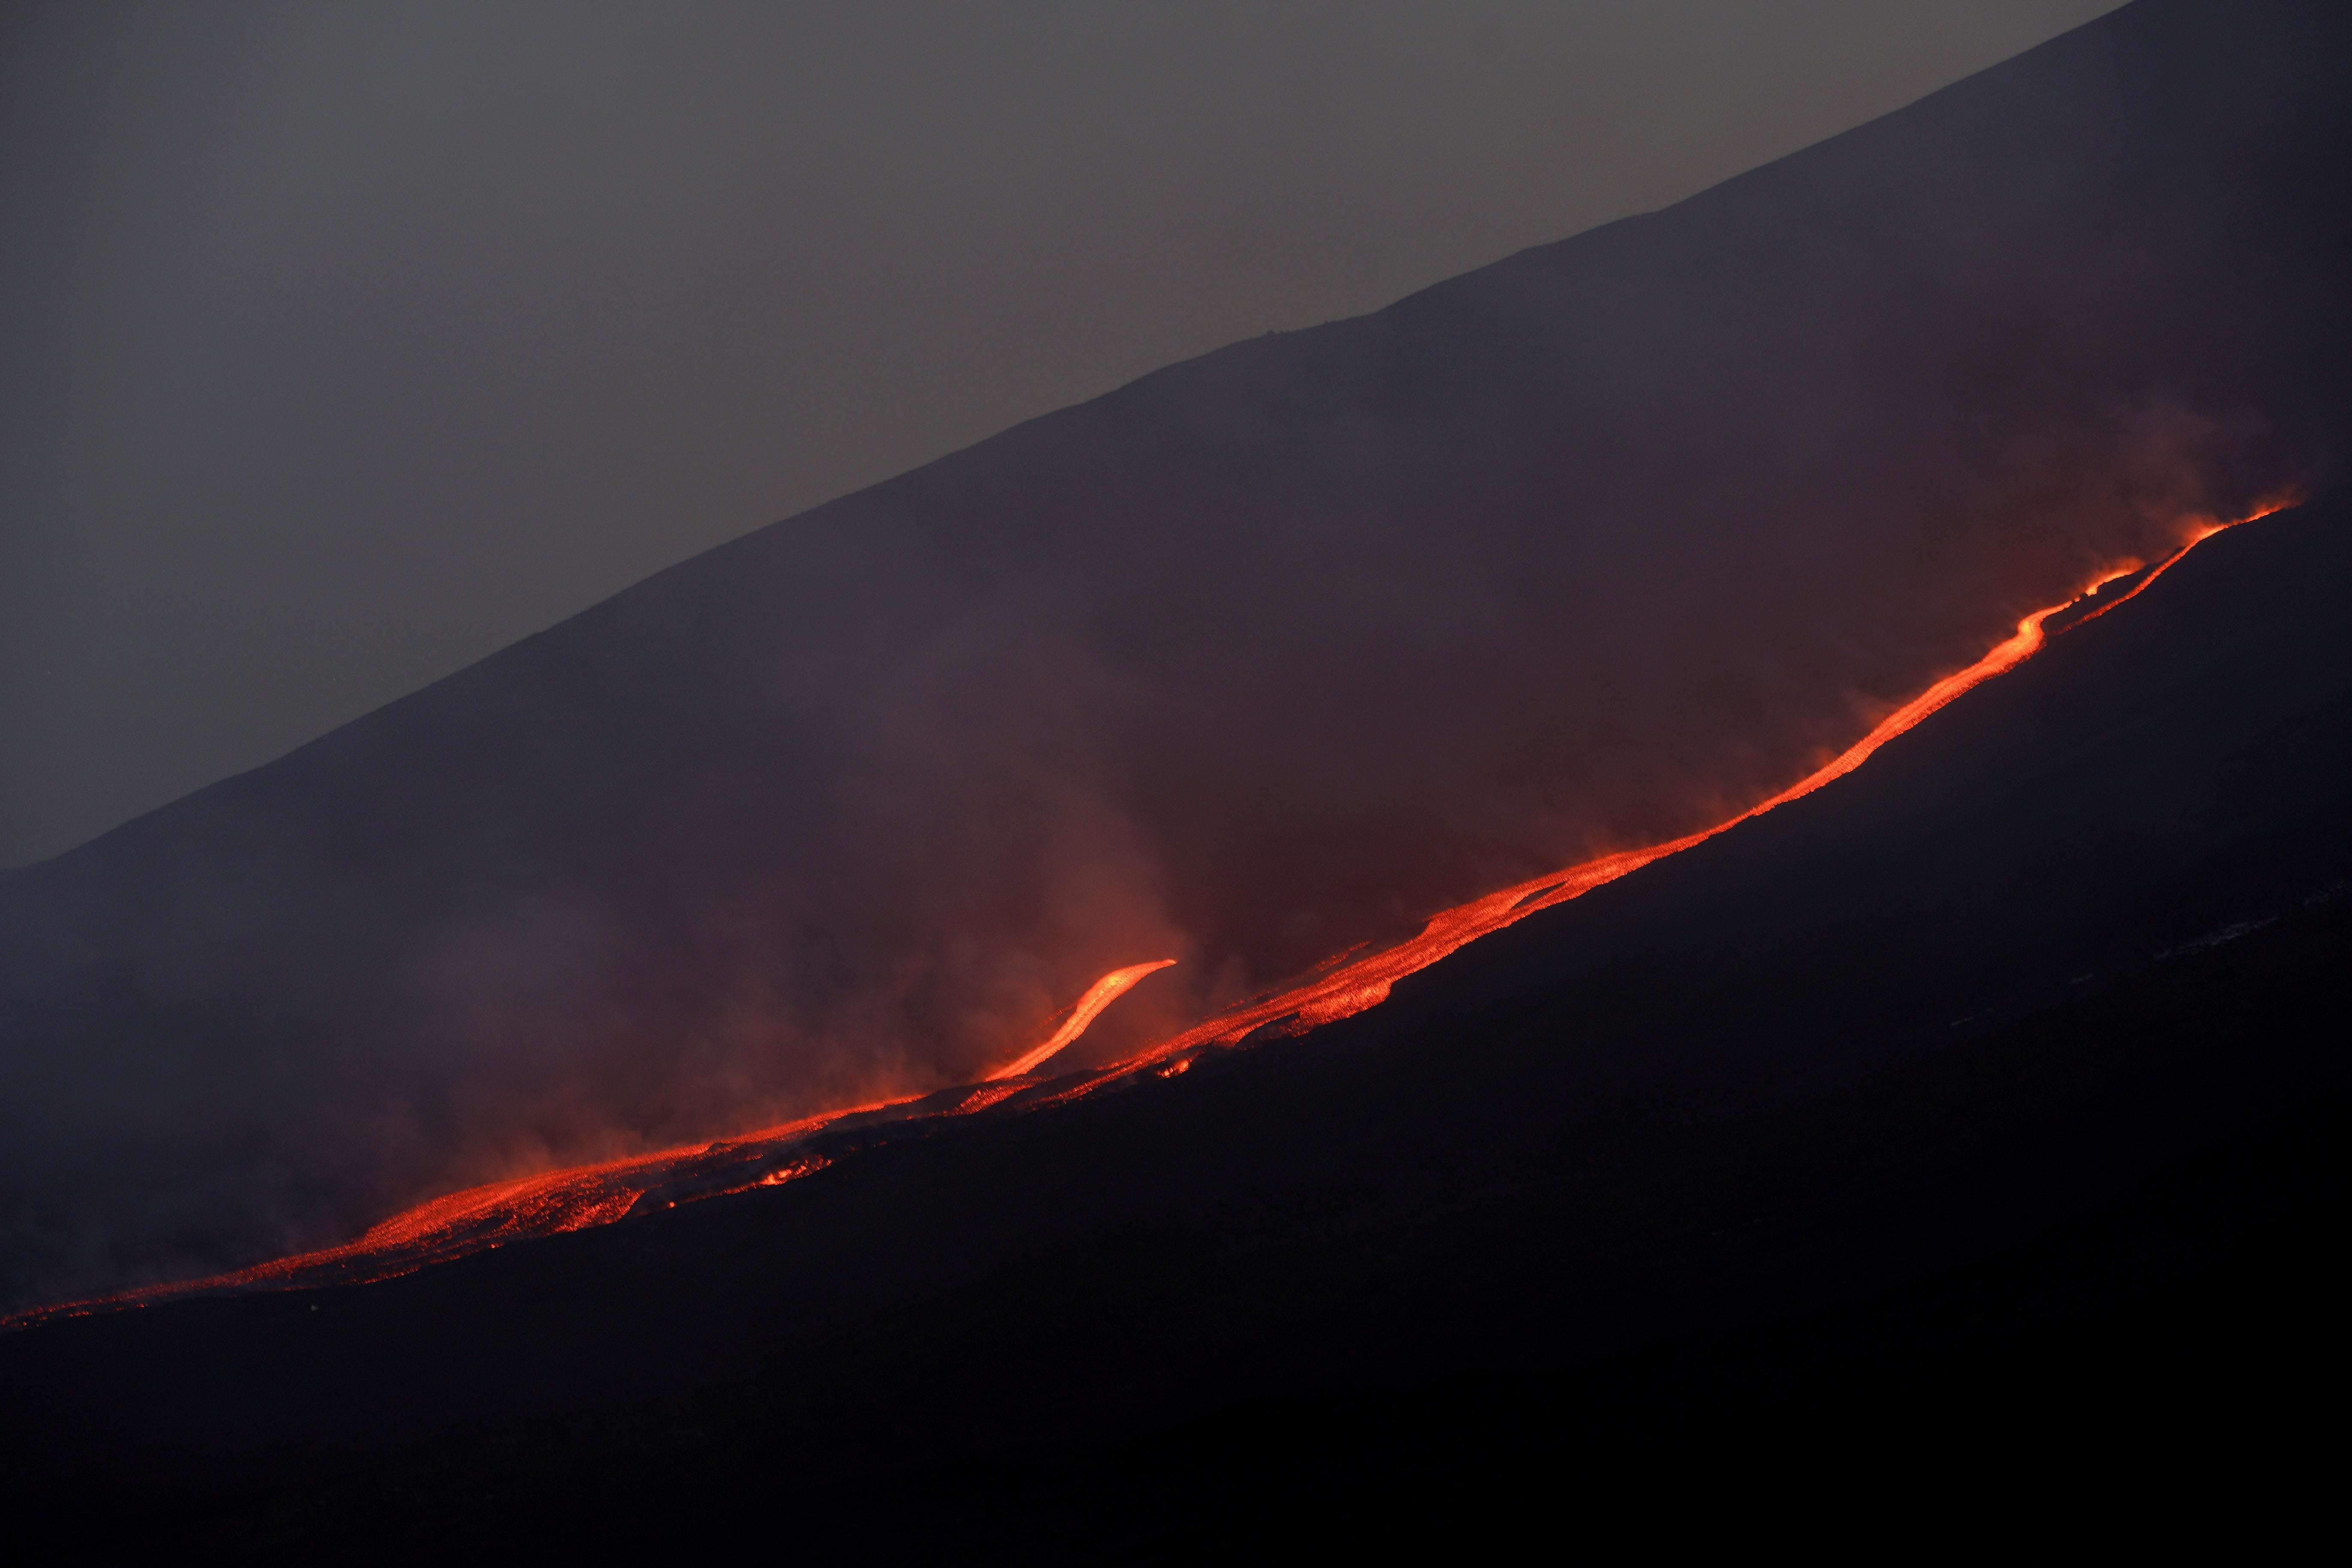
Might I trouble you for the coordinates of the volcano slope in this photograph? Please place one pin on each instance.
(1261, 657)
(1982, 1104)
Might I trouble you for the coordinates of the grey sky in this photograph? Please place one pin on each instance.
(342, 344)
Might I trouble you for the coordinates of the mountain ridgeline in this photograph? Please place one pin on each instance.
(1266, 655)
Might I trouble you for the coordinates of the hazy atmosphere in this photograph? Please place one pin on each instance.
(340, 346)
(1265, 656)
(1048, 782)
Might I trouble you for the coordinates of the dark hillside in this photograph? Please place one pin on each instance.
(1261, 656)
(1986, 1097)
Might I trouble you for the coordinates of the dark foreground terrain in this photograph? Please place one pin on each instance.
(1962, 1138)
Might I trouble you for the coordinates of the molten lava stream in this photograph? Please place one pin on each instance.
(1099, 996)
(1352, 988)
(556, 1201)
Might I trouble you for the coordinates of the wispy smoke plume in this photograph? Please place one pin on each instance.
(1263, 656)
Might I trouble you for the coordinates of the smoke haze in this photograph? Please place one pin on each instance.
(1266, 654)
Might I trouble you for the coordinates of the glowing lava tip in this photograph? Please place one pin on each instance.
(1099, 996)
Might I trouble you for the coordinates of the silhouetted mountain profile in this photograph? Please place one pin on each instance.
(1263, 655)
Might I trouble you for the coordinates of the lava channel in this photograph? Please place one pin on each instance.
(482, 1218)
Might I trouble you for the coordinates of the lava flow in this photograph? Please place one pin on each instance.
(557, 1200)
(1099, 996)
(1352, 988)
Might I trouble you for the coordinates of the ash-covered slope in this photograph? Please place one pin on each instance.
(2000, 1081)
(1254, 659)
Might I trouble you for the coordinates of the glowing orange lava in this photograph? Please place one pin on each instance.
(1099, 996)
(479, 1218)
(1350, 989)
(557, 1200)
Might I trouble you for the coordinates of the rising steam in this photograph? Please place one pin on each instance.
(549, 1203)
(1263, 658)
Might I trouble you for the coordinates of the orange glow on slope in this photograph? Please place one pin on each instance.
(1099, 996)
(1352, 988)
(481, 1217)
(2198, 536)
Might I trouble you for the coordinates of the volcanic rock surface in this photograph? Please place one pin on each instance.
(1263, 656)
(1930, 1112)
(1985, 1100)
